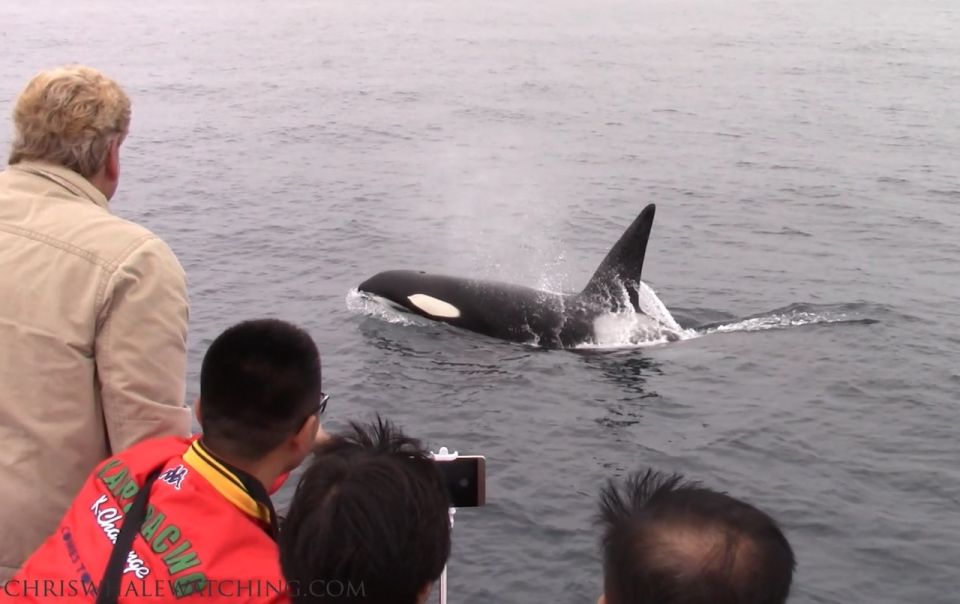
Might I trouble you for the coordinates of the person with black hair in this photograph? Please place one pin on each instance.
(369, 522)
(671, 541)
(207, 527)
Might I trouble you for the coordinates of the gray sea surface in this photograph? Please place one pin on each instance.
(805, 161)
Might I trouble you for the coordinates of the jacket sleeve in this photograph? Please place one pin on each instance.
(141, 347)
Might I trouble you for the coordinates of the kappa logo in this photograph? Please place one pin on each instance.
(174, 476)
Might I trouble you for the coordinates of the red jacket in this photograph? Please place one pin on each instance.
(205, 537)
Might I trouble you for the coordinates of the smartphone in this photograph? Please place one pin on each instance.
(466, 480)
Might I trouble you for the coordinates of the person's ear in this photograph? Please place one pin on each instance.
(196, 411)
(602, 599)
(307, 437)
(112, 164)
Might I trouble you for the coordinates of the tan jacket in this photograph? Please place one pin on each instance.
(93, 326)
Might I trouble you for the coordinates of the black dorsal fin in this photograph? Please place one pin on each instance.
(624, 263)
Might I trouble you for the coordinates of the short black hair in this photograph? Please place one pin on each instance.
(369, 515)
(670, 541)
(259, 382)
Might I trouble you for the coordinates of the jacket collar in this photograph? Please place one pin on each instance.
(238, 487)
(66, 178)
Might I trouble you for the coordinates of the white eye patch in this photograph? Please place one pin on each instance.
(433, 306)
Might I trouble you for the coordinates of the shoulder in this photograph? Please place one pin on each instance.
(147, 263)
(138, 245)
(149, 453)
(39, 209)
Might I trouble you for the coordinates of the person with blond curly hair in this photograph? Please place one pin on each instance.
(93, 308)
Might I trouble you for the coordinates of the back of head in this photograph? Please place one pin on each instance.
(259, 382)
(369, 520)
(68, 116)
(673, 542)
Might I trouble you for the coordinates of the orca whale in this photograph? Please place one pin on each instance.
(523, 314)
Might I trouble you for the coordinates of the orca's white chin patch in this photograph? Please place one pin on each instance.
(434, 307)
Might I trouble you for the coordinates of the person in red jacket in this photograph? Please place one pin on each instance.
(207, 528)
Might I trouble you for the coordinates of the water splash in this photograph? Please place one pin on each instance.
(381, 308)
(654, 325)
(629, 330)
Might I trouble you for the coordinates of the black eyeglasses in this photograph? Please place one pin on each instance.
(323, 403)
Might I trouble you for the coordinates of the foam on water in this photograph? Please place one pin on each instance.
(796, 315)
(381, 308)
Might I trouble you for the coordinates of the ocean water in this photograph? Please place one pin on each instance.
(805, 161)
